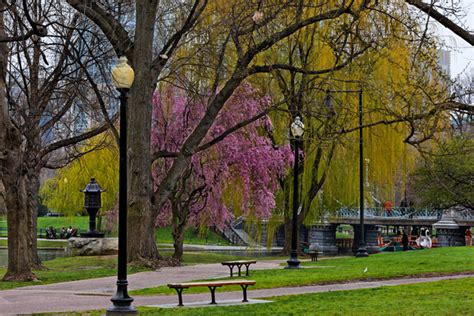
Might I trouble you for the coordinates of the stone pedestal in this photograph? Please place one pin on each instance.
(448, 231)
(78, 246)
(323, 238)
(371, 232)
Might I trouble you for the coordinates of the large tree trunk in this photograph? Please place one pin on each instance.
(141, 224)
(18, 220)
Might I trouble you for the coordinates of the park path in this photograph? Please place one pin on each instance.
(95, 294)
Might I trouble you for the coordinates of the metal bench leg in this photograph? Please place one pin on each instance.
(180, 296)
(213, 294)
(239, 266)
(244, 289)
(231, 268)
(247, 265)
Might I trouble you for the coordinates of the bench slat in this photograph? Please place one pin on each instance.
(239, 262)
(216, 283)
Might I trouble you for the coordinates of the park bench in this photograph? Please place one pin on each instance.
(212, 285)
(239, 264)
(313, 254)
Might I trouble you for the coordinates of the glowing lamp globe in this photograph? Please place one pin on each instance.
(122, 74)
(297, 127)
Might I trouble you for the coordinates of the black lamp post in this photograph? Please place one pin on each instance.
(297, 130)
(92, 203)
(362, 250)
(122, 77)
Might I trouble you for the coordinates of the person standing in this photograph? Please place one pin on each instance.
(405, 241)
(468, 237)
(387, 206)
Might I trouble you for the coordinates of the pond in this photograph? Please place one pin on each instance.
(44, 254)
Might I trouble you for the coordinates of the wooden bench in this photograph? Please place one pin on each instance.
(179, 287)
(239, 264)
(314, 255)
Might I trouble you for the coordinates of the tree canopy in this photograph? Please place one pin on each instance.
(446, 177)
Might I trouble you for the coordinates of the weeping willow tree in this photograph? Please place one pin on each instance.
(401, 86)
(62, 193)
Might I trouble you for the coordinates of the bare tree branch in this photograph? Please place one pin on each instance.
(114, 31)
(75, 139)
(445, 21)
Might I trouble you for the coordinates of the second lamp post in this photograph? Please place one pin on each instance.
(362, 250)
(297, 130)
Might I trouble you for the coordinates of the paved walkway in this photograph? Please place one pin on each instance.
(96, 293)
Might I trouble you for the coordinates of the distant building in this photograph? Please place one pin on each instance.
(444, 61)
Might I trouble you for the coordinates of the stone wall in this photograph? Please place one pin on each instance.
(323, 239)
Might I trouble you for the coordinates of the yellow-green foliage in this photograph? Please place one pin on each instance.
(395, 84)
(63, 192)
(388, 92)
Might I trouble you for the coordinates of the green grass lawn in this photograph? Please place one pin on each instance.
(381, 266)
(80, 222)
(434, 298)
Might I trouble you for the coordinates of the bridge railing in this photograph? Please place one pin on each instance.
(395, 212)
(466, 214)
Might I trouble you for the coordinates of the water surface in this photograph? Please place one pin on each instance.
(44, 254)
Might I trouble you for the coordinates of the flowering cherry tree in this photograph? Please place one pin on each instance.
(237, 175)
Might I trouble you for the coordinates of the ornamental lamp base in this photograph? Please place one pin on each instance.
(293, 263)
(362, 252)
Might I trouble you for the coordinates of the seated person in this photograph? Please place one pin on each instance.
(73, 232)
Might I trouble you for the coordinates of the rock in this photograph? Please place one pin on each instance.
(78, 246)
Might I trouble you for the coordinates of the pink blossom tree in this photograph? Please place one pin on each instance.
(238, 174)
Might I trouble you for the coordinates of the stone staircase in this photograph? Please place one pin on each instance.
(236, 234)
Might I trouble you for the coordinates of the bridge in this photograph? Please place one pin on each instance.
(450, 226)
(398, 216)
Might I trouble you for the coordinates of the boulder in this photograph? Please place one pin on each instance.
(79, 246)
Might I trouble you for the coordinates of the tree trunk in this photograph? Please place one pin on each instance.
(141, 224)
(19, 238)
(32, 188)
(14, 181)
(178, 225)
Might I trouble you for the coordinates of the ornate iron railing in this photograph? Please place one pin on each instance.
(395, 212)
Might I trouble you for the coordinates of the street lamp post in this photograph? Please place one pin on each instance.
(297, 130)
(122, 77)
(362, 250)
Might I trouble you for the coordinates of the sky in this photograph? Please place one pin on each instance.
(462, 53)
